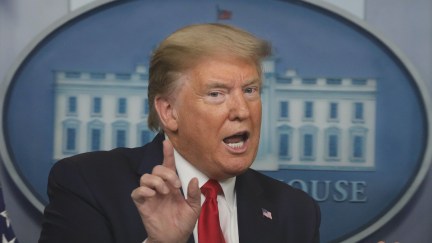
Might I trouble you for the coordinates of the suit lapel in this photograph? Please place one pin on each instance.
(257, 216)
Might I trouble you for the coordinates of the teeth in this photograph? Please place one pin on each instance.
(236, 145)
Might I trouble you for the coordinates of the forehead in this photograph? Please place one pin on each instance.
(224, 67)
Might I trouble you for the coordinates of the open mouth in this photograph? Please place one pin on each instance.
(237, 141)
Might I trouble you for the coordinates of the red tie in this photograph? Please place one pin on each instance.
(209, 230)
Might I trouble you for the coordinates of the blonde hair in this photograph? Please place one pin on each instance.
(185, 47)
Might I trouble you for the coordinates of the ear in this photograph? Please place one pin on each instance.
(167, 113)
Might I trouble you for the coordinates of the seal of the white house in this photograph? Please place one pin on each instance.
(345, 116)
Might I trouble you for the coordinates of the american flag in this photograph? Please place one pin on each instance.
(7, 234)
(266, 213)
(223, 14)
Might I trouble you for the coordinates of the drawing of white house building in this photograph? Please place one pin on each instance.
(317, 123)
(100, 111)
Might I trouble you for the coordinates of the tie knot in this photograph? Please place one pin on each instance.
(211, 189)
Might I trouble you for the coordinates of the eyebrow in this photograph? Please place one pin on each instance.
(253, 81)
(218, 84)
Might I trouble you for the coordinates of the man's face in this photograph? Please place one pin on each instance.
(218, 115)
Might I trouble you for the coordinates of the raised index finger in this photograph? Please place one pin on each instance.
(168, 152)
(170, 173)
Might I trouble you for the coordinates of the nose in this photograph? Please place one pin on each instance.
(239, 107)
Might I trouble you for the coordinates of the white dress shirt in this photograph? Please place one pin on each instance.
(227, 203)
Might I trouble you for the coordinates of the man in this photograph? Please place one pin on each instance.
(204, 93)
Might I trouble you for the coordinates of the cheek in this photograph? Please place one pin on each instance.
(200, 130)
(212, 119)
(256, 114)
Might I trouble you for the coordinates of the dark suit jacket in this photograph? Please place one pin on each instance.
(90, 201)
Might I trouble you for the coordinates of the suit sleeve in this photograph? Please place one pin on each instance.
(72, 214)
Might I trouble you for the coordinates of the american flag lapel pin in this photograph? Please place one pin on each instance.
(266, 213)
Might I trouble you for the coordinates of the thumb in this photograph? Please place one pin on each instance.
(194, 195)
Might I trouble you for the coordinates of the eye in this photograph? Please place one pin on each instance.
(214, 94)
(251, 90)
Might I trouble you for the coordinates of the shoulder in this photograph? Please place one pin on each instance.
(100, 161)
(106, 172)
(97, 171)
(277, 191)
(119, 161)
(94, 186)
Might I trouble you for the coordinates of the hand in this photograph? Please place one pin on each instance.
(166, 214)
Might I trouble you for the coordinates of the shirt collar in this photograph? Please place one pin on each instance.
(186, 171)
